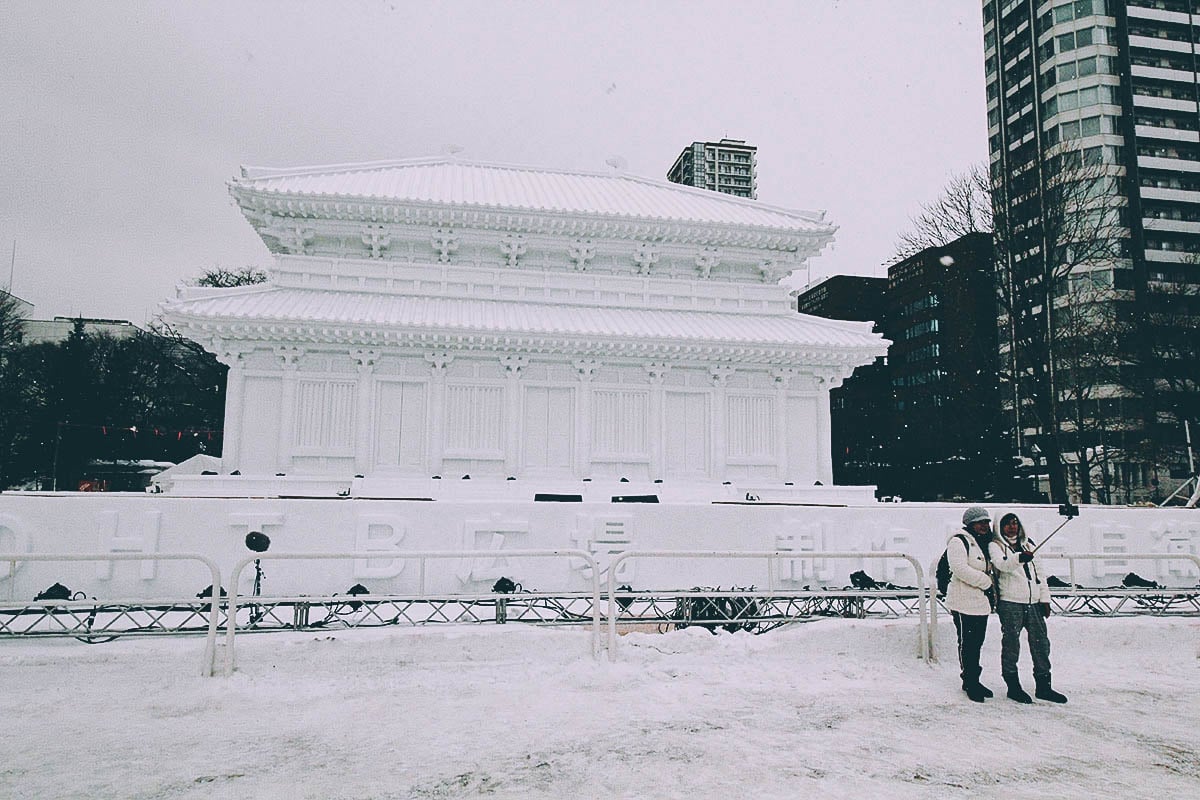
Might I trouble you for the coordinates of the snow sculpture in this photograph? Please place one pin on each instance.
(564, 325)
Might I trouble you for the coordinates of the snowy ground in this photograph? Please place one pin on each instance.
(830, 709)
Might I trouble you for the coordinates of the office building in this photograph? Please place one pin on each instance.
(859, 409)
(727, 166)
(945, 416)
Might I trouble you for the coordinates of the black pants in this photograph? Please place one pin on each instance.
(971, 631)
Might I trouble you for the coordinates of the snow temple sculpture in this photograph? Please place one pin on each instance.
(445, 317)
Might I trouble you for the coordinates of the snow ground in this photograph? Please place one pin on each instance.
(831, 709)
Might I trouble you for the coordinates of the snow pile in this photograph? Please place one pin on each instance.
(831, 709)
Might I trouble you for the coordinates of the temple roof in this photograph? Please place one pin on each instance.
(256, 308)
(468, 184)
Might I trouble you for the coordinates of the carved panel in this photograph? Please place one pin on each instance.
(325, 413)
(619, 429)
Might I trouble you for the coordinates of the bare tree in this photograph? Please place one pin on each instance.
(14, 388)
(220, 278)
(964, 207)
(1066, 225)
(1170, 338)
(1060, 221)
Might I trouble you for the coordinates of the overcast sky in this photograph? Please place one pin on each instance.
(121, 122)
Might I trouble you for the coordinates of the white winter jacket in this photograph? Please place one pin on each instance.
(969, 576)
(1017, 582)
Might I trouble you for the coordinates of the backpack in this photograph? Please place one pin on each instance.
(943, 567)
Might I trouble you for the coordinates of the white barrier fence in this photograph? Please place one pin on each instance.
(421, 557)
(79, 607)
(927, 604)
(771, 556)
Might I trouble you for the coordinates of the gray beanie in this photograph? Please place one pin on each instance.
(975, 514)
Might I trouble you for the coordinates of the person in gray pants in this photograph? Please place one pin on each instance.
(1023, 604)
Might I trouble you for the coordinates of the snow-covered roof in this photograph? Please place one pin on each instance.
(469, 184)
(480, 317)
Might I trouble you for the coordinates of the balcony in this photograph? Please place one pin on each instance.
(1156, 43)
(1162, 73)
(1174, 164)
(1177, 17)
(1174, 134)
(1171, 225)
(1180, 195)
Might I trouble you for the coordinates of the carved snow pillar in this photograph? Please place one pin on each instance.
(512, 401)
(827, 380)
(438, 364)
(585, 370)
(290, 359)
(235, 384)
(782, 377)
(720, 376)
(364, 430)
(656, 424)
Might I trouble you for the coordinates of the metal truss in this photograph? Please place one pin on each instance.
(746, 610)
(1128, 602)
(94, 622)
(758, 612)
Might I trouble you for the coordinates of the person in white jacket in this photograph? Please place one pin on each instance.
(1023, 604)
(966, 595)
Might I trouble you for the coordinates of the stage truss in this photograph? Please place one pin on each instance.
(94, 622)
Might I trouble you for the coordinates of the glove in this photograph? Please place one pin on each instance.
(1024, 557)
(1045, 609)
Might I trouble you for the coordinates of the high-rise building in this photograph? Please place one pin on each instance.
(1101, 94)
(727, 166)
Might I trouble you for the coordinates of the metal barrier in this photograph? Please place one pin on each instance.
(91, 608)
(771, 556)
(236, 598)
(1080, 597)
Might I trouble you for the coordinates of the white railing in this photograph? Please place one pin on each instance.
(236, 598)
(210, 640)
(772, 556)
(1071, 558)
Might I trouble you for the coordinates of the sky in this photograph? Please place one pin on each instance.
(836, 709)
(121, 122)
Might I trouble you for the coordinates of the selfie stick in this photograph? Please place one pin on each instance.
(1066, 510)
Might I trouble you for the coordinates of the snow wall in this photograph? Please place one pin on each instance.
(217, 528)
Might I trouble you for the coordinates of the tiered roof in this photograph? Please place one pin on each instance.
(479, 185)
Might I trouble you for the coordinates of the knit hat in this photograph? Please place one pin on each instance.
(975, 514)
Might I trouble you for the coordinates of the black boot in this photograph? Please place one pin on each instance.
(975, 692)
(1015, 692)
(1046, 692)
(972, 682)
